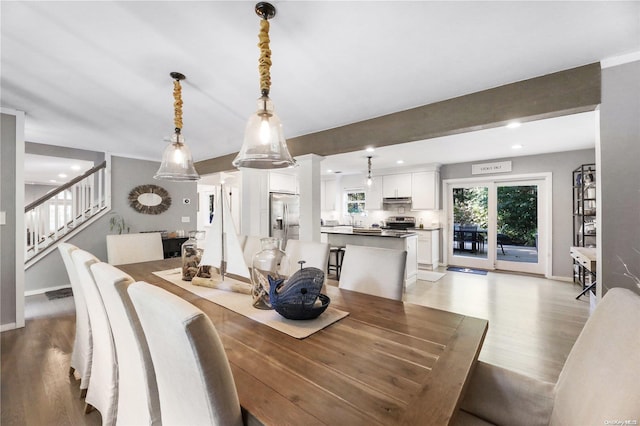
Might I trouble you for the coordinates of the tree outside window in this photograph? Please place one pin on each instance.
(355, 201)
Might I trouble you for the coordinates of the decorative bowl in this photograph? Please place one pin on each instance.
(301, 311)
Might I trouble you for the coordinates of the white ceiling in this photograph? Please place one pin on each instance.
(95, 74)
(53, 171)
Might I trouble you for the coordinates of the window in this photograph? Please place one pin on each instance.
(355, 201)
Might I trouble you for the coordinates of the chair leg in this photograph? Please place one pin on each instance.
(88, 408)
(83, 393)
(71, 371)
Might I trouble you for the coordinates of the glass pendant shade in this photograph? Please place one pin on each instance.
(177, 163)
(264, 145)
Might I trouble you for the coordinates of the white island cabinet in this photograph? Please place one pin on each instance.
(428, 247)
(407, 241)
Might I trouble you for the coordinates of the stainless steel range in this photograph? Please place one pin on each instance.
(400, 222)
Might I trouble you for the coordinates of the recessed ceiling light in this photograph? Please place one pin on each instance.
(329, 171)
(513, 125)
(75, 167)
(371, 149)
(400, 161)
(516, 146)
(62, 175)
(52, 180)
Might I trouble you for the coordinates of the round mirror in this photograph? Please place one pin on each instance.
(149, 199)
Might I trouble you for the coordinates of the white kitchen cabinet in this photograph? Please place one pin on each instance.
(411, 270)
(394, 186)
(283, 182)
(429, 248)
(425, 190)
(328, 194)
(373, 200)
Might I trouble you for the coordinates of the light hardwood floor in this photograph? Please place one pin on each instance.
(533, 323)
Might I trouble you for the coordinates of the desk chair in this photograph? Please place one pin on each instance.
(138, 401)
(82, 345)
(600, 380)
(314, 255)
(134, 248)
(373, 270)
(194, 378)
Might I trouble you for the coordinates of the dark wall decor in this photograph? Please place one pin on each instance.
(149, 199)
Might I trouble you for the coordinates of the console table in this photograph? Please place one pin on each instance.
(585, 258)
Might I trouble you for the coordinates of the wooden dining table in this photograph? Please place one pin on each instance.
(386, 363)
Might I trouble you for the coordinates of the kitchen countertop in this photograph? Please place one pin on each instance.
(426, 228)
(384, 233)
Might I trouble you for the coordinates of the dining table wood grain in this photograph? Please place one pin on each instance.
(387, 363)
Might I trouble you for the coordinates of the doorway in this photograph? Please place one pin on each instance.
(499, 223)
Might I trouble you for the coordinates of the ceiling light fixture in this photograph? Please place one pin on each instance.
(369, 180)
(177, 163)
(400, 161)
(264, 145)
(370, 149)
(516, 146)
(513, 125)
(62, 175)
(75, 167)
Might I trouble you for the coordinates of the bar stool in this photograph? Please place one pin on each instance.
(336, 253)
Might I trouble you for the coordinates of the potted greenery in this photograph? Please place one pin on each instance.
(118, 224)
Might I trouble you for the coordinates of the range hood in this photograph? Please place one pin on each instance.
(396, 200)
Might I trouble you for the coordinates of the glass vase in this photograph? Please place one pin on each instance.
(192, 254)
(268, 262)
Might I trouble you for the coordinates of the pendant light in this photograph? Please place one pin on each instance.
(177, 163)
(369, 179)
(264, 145)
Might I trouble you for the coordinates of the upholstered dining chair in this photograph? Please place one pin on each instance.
(134, 248)
(102, 393)
(194, 378)
(599, 383)
(138, 401)
(314, 255)
(82, 346)
(373, 270)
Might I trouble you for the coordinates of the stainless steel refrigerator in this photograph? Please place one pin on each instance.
(284, 217)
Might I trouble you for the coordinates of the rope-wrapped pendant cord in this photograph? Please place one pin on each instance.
(177, 104)
(264, 63)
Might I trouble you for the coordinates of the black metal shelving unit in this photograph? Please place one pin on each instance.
(584, 218)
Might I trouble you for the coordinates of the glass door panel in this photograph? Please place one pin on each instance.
(519, 213)
(470, 226)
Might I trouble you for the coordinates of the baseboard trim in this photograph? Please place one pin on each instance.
(565, 279)
(7, 327)
(43, 290)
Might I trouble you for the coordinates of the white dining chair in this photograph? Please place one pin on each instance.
(134, 248)
(373, 270)
(102, 393)
(80, 361)
(599, 383)
(138, 401)
(314, 255)
(195, 382)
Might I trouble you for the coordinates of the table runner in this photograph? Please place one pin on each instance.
(241, 304)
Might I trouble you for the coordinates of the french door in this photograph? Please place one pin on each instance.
(499, 223)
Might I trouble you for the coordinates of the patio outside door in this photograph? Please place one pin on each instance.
(499, 224)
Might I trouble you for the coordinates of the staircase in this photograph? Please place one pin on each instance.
(64, 211)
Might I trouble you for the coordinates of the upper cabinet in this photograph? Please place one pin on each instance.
(283, 182)
(328, 195)
(394, 186)
(373, 199)
(425, 190)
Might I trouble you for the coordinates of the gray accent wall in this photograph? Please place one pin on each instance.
(620, 176)
(126, 173)
(560, 165)
(8, 231)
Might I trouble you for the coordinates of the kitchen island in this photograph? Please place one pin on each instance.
(399, 240)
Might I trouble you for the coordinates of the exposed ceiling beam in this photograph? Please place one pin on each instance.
(553, 95)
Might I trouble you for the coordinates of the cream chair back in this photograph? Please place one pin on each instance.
(194, 378)
(82, 347)
(138, 401)
(600, 380)
(314, 254)
(252, 246)
(373, 270)
(102, 393)
(134, 248)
